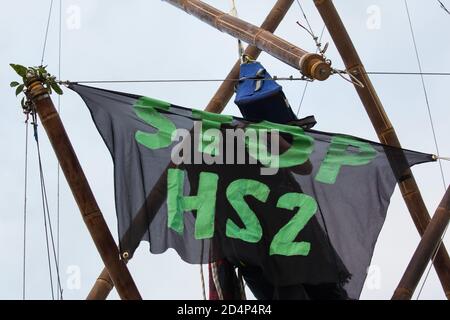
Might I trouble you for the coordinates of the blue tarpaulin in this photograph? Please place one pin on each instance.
(259, 97)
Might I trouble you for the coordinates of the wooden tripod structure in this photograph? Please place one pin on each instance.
(312, 66)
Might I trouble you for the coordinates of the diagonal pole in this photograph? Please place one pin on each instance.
(103, 284)
(81, 190)
(383, 127)
(424, 252)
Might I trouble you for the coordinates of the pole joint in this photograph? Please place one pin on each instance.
(36, 90)
(315, 66)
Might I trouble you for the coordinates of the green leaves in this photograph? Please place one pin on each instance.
(40, 73)
(19, 89)
(56, 88)
(19, 69)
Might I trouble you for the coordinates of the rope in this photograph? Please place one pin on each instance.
(316, 39)
(58, 170)
(25, 212)
(43, 206)
(202, 276)
(47, 219)
(419, 64)
(408, 73)
(234, 13)
(416, 50)
(202, 279)
(436, 250)
(443, 6)
(310, 30)
(215, 277)
(305, 88)
(46, 32)
(352, 79)
(442, 158)
(274, 78)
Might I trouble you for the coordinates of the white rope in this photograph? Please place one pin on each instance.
(352, 79)
(233, 10)
(441, 158)
(202, 279)
(234, 13)
(216, 281)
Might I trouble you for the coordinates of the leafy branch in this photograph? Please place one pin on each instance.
(40, 73)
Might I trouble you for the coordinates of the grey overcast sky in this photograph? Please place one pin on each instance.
(138, 39)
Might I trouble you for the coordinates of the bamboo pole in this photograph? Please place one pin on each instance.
(81, 190)
(102, 287)
(103, 284)
(424, 252)
(383, 127)
(310, 64)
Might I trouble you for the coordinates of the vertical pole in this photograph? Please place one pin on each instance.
(383, 127)
(103, 284)
(81, 190)
(424, 252)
